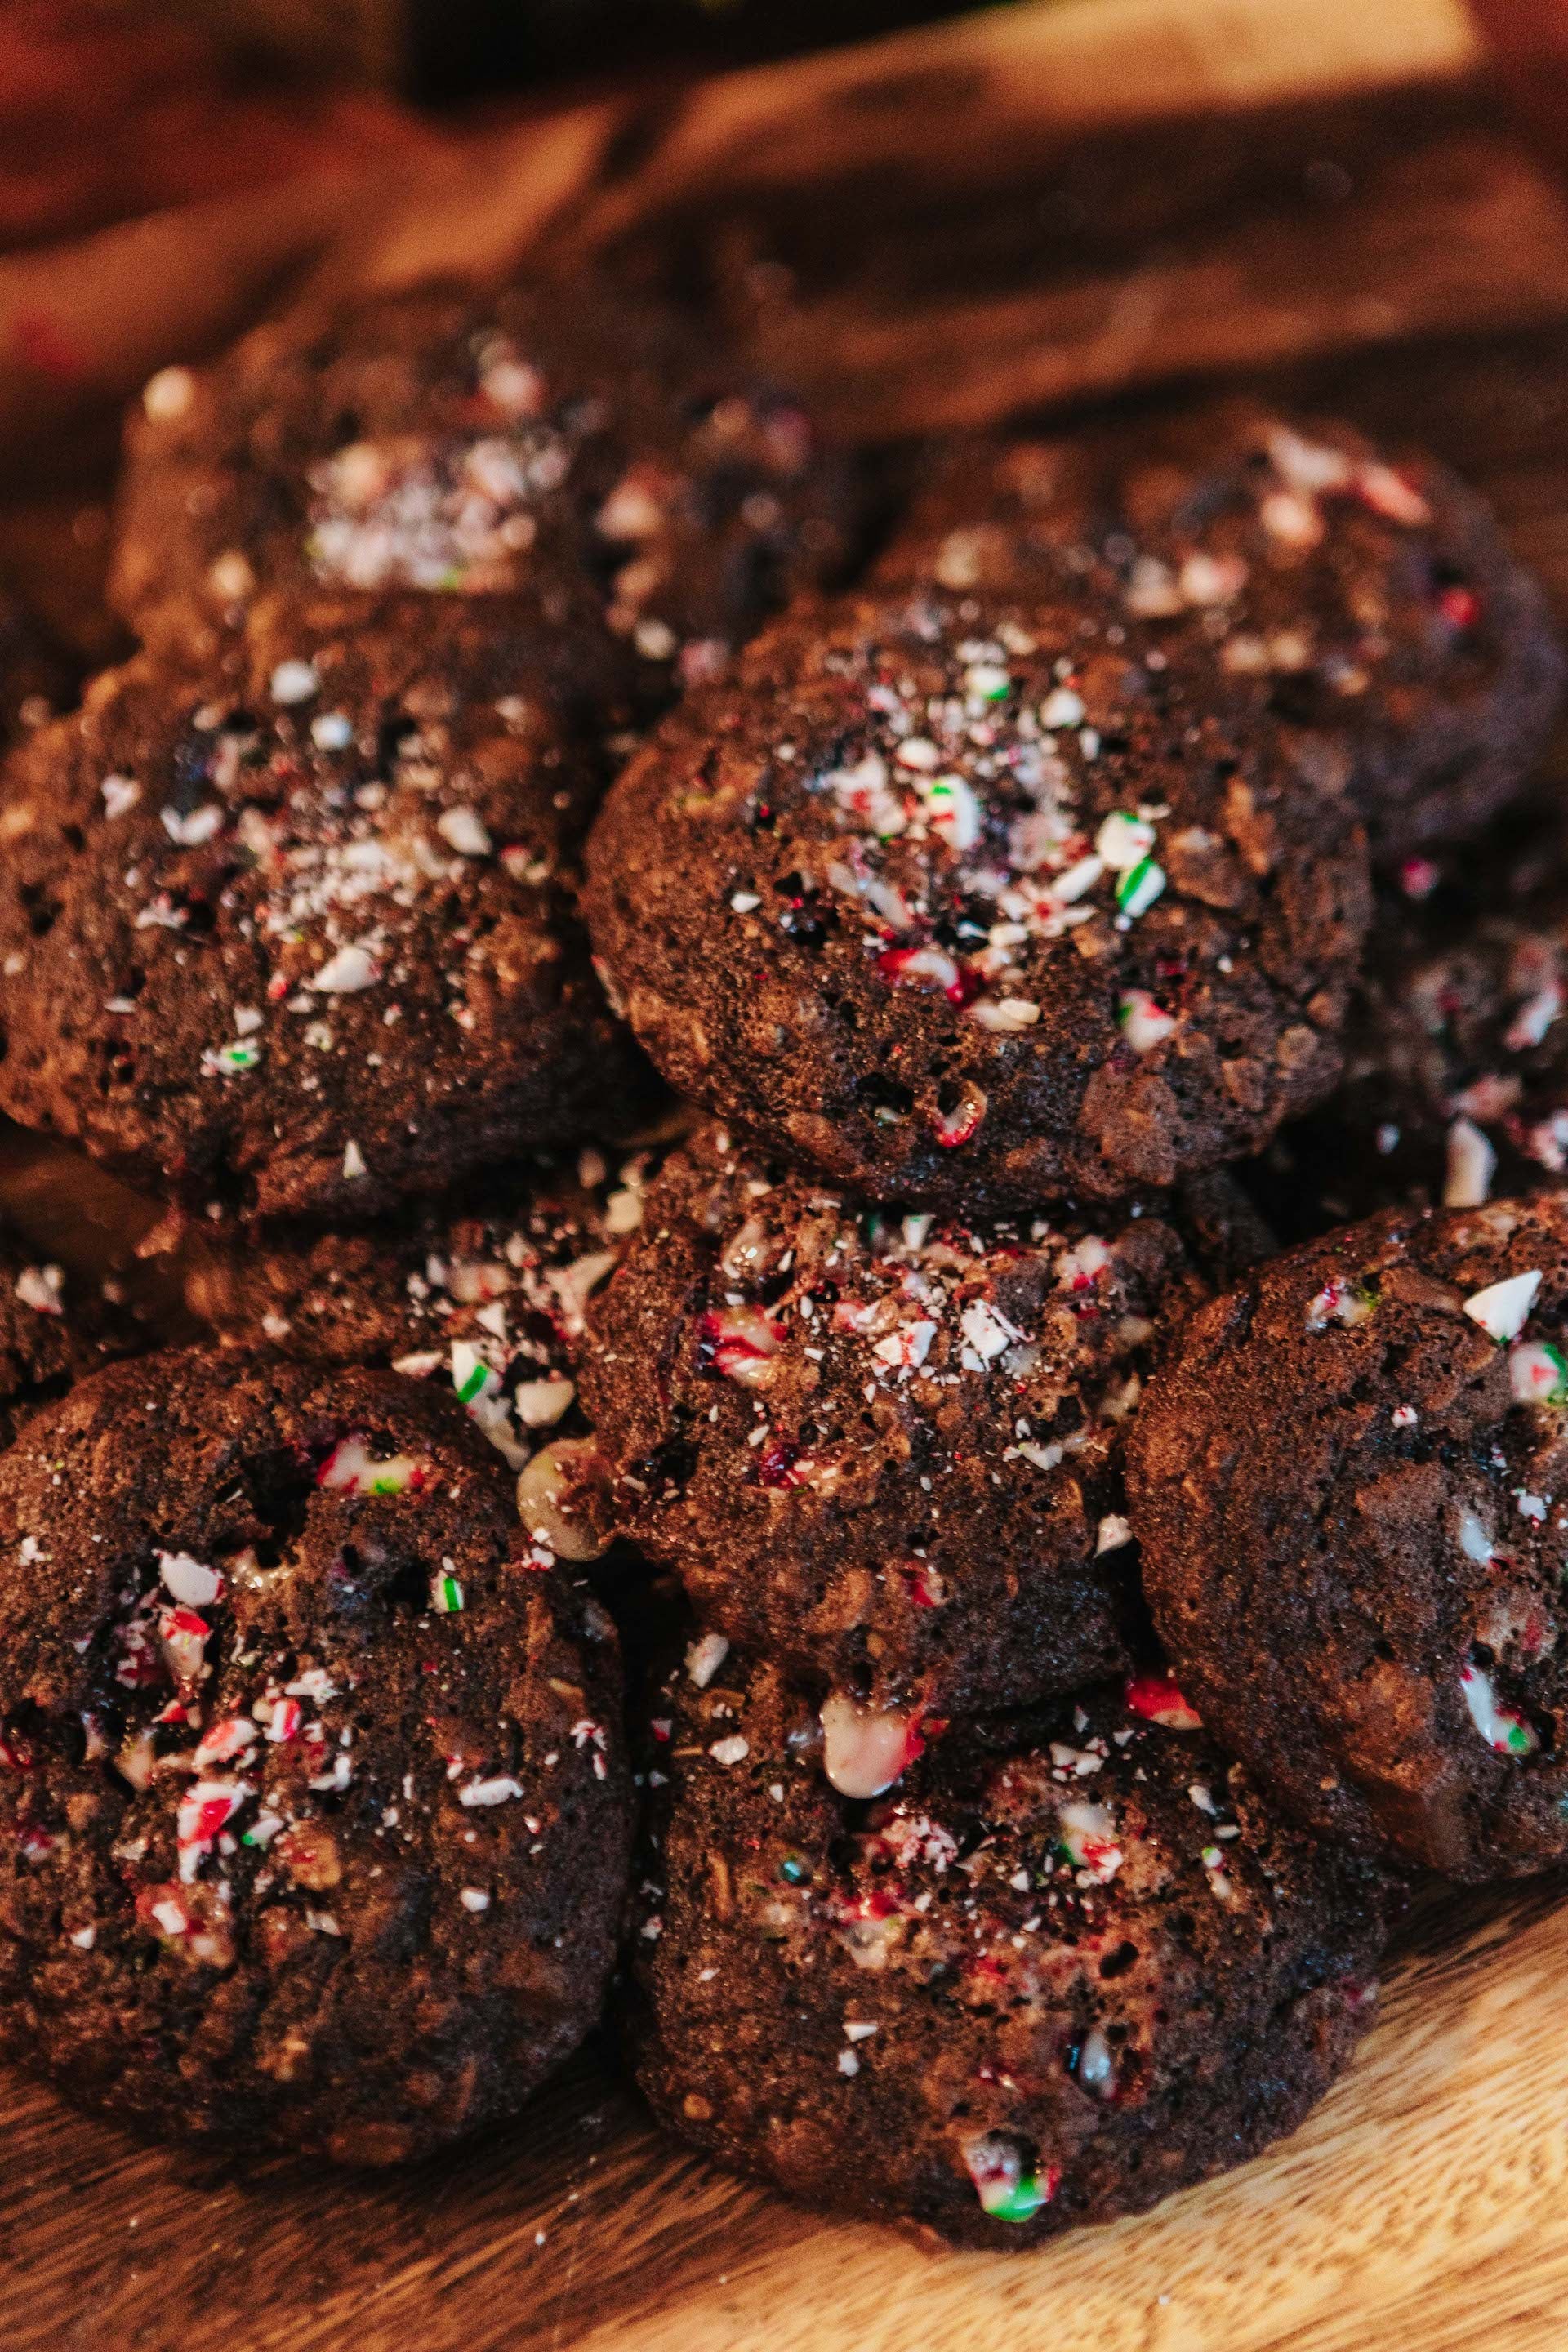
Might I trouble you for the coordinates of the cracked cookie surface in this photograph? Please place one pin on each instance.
(314, 1798)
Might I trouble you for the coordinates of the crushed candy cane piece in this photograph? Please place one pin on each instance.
(1502, 1727)
(1538, 1372)
(1504, 1308)
(867, 1748)
(1008, 2188)
(351, 1467)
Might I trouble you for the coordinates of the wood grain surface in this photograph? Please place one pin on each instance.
(1424, 2206)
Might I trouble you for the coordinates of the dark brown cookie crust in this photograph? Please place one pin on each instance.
(54, 1329)
(485, 1298)
(414, 1737)
(1456, 1085)
(885, 901)
(298, 931)
(1347, 1491)
(884, 1452)
(1068, 1966)
(1367, 605)
(465, 445)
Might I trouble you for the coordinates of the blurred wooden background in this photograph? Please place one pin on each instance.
(1044, 204)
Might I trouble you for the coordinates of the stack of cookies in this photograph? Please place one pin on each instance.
(672, 1042)
(312, 1770)
(1001, 912)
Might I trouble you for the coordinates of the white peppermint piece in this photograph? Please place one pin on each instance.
(1062, 708)
(1471, 1165)
(1005, 1014)
(540, 1403)
(1502, 1308)
(987, 1332)
(465, 832)
(865, 1749)
(499, 1790)
(191, 829)
(192, 1582)
(345, 973)
(294, 681)
(121, 794)
(39, 1287)
(704, 1657)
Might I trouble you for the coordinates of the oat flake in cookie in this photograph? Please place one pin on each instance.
(298, 931)
(1069, 1965)
(487, 1301)
(312, 1797)
(539, 437)
(962, 905)
(1351, 1491)
(1369, 605)
(885, 1450)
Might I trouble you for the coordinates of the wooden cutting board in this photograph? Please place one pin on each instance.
(1402, 249)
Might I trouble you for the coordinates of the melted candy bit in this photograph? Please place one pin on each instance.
(1089, 1840)
(351, 1467)
(1539, 1373)
(956, 1127)
(866, 1749)
(1502, 1727)
(1341, 1301)
(1157, 1699)
(1143, 1021)
(738, 1343)
(1008, 2188)
(183, 1637)
(1502, 1308)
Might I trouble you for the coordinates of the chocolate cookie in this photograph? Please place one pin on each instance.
(298, 929)
(314, 1804)
(54, 1328)
(884, 1451)
(1456, 1083)
(972, 905)
(1349, 1491)
(1069, 1965)
(486, 1299)
(1370, 607)
(533, 438)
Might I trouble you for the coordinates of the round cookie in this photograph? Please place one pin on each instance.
(315, 1812)
(1369, 605)
(298, 931)
(486, 1299)
(1350, 1489)
(1069, 1965)
(1456, 1084)
(465, 443)
(884, 1451)
(970, 905)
